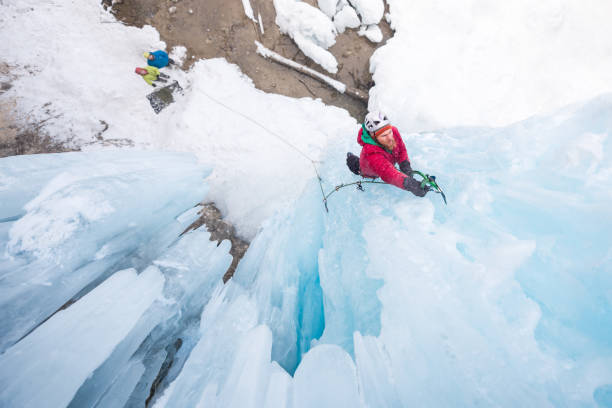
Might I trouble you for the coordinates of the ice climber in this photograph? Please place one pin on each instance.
(382, 148)
(151, 75)
(158, 59)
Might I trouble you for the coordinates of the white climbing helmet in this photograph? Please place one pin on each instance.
(374, 121)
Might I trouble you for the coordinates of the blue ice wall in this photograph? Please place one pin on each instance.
(68, 234)
(547, 180)
(71, 219)
(500, 298)
(512, 276)
(281, 270)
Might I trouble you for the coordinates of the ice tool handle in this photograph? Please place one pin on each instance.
(430, 181)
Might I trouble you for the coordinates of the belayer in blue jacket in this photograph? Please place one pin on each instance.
(158, 59)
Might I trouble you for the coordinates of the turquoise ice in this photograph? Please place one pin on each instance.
(500, 298)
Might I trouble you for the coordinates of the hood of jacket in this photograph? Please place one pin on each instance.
(364, 138)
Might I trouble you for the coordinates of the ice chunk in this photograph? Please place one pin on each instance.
(326, 378)
(123, 364)
(192, 268)
(53, 219)
(248, 377)
(281, 272)
(375, 378)
(276, 291)
(22, 179)
(227, 317)
(118, 394)
(82, 221)
(58, 357)
(279, 389)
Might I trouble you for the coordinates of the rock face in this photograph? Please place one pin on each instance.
(216, 28)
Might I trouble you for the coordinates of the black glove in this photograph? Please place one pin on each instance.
(352, 162)
(153, 85)
(405, 167)
(163, 75)
(414, 187)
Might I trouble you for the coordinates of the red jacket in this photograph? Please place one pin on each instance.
(375, 161)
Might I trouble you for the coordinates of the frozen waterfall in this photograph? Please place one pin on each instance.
(501, 298)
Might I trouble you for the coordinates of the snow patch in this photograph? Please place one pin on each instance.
(248, 10)
(372, 33)
(53, 221)
(265, 52)
(470, 63)
(371, 11)
(261, 27)
(346, 18)
(178, 54)
(328, 7)
(311, 29)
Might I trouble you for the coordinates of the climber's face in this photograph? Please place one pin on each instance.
(386, 139)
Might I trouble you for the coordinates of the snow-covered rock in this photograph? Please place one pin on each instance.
(372, 33)
(328, 7)
(312, 30)
(370, 11)
(346, 18)
(248, 10)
